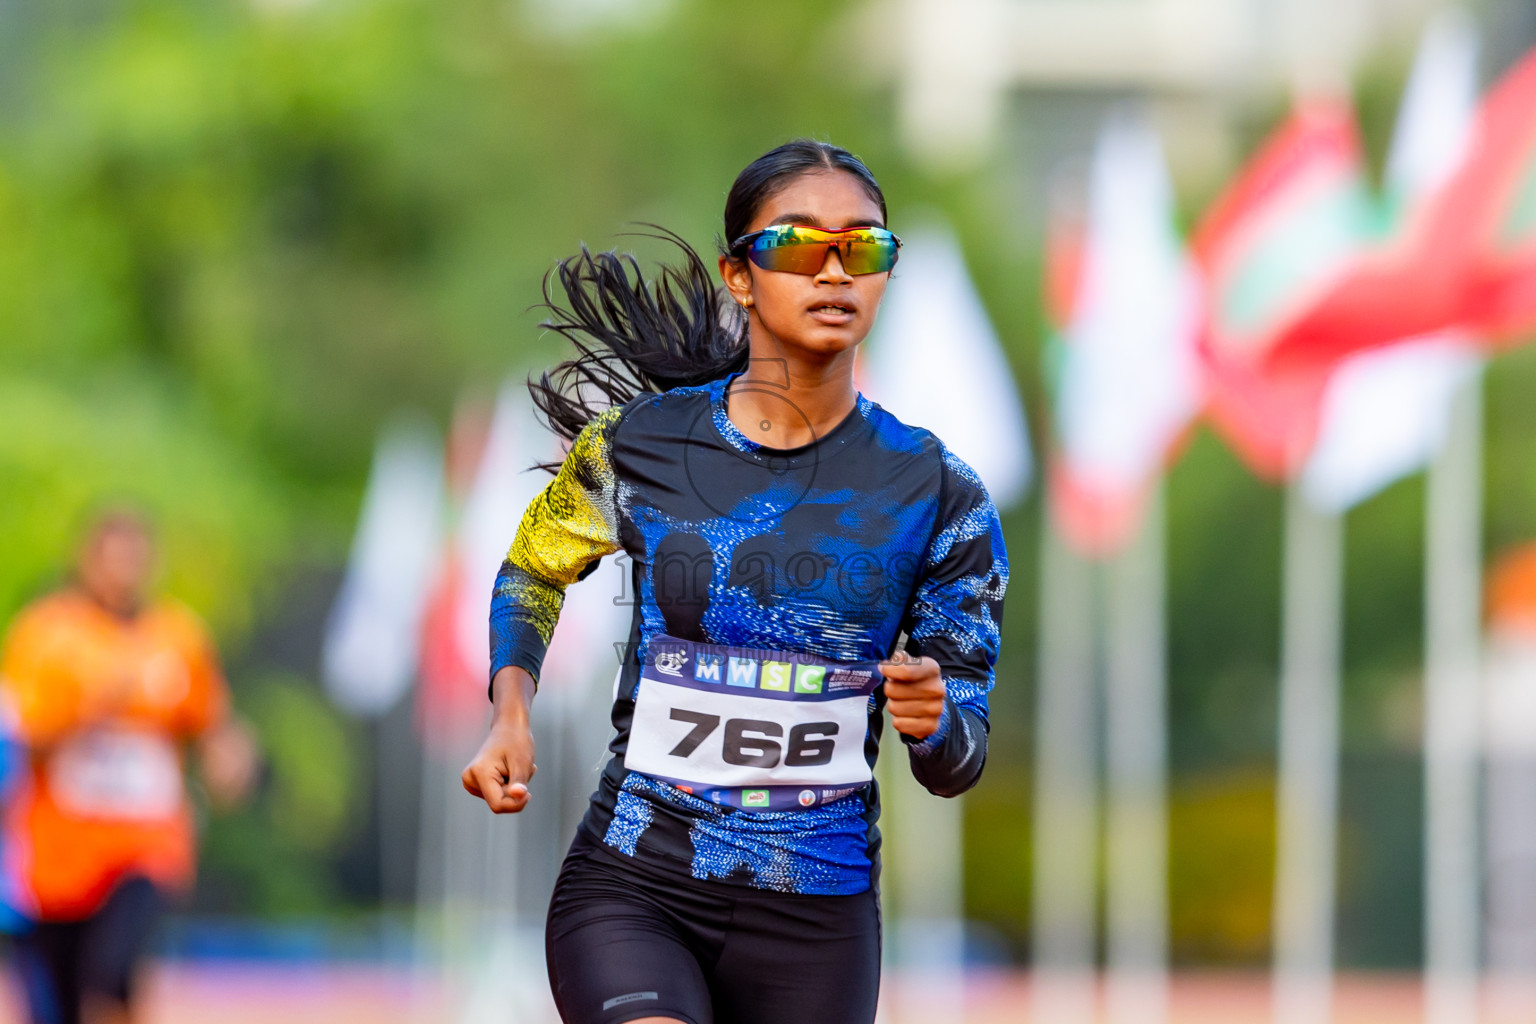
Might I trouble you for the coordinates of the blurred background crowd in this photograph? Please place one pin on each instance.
(261, 260)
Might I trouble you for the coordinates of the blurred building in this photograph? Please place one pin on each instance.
(962, 67)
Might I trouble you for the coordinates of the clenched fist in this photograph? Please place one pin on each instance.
(501, 769)
(914, 693)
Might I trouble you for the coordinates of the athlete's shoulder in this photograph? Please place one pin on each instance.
(893, 433)
(179, 620)
(684, 396)
(592, 448)
(57, 611)
(960, 473)
(661, 413)
(960, 480)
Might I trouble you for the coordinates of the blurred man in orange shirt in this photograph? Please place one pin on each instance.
(105, 687)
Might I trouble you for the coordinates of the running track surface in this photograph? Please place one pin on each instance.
(233, 993)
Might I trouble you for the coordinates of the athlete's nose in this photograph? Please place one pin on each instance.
(832, 271)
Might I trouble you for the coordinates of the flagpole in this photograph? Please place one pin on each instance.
(1065, 799)
(1452, 637)
(886, 779)
(929, 883)
(427, 959)
(1136, 727)
(1307, 799)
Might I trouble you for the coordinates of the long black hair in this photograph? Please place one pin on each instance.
(633, 336)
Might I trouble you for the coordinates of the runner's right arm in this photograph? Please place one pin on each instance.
(37, 682)
(566, 530)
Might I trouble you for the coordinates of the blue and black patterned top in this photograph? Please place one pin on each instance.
(835, 549)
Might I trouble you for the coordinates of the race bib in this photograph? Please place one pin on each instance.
(116, 773)
(759, 730)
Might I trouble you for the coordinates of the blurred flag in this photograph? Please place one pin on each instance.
(1280, 236)
(456, 634)
(590, 620)
(504, 483)
(1386, 411)
(1385, 414)
(451, 702)
(1466, 257)
(934, 361)
(492, 455)
(1503, 299)
(369, 655)
(1127, 374)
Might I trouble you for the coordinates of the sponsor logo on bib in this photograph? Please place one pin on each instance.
(742, 672)
(671, 662)
(807, 797)
(776, 675)
(848, 678)
(754, 798)
(808, 678)
(706, 669)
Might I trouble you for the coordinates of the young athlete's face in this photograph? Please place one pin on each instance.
(819, 314)
(117, 565)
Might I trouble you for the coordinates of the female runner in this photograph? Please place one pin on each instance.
(800, 559)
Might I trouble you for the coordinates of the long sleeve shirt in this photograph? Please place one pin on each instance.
(836, 549)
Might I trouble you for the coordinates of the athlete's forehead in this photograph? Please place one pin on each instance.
(119, 527)
(823, 199)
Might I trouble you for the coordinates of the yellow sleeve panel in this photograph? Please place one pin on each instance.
(574, 521)
(572, 524)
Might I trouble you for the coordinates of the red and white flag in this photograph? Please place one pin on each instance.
(1465, 257)
(1128, 379)
(1386, 410)
(1280, 237)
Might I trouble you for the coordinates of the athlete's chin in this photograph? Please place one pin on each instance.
(825, 341)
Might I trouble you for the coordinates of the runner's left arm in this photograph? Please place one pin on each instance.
(204, 704)
(566, 530)
(955, 619)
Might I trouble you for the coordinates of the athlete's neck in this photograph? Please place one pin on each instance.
(787, 401)
(124, 608)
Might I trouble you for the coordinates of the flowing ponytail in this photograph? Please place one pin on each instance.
(632, 336)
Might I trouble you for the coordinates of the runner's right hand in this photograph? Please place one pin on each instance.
(500, 771)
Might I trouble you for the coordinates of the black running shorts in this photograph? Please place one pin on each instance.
(64, 962)
(626, 941)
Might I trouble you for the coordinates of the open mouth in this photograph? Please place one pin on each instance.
(832, 312)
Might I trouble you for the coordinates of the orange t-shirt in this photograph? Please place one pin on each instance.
(104, 705)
